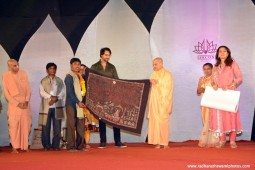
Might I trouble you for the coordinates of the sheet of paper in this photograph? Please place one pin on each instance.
(223, 100)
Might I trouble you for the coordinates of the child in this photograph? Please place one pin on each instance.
(206, 138)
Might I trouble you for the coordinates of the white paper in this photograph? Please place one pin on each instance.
(223, 100)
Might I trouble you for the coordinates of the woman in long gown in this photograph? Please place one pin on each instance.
(226, 75)
(207, 139)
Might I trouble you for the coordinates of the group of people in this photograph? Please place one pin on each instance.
(227, 75)
(68, 96)
(58, 97)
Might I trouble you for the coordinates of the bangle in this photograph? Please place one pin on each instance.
(233, 84)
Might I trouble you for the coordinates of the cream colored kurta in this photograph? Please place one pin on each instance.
(160, 107)
(59, 105)
(207, 139)
(16, 90)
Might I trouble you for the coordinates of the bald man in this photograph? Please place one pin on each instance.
(17, 93)
(160, 105)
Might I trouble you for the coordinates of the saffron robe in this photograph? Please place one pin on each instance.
(17, 90)
(160, 107)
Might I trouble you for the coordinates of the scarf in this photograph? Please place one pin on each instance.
(78, 93)
(44, 107)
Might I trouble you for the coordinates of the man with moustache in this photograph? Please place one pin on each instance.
(74, 107)
(52, 91)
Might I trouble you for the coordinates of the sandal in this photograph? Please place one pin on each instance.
(221, 144)
(233, 144)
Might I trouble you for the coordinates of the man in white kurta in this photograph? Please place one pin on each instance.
(160, 105)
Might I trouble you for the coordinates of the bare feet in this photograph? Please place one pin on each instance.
(14, 150)
(28, 150)
(202, 145)
(166, 147)
(157, 146)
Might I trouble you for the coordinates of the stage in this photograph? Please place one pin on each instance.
(179, 156)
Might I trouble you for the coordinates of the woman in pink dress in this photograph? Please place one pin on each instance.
(226, 75)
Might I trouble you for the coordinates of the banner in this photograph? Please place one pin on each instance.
(119, 103)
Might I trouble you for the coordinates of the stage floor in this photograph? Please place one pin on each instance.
(179, 156)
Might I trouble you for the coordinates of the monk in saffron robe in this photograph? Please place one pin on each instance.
(160, 105)
(17, 92)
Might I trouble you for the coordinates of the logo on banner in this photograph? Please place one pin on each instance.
(206, 50)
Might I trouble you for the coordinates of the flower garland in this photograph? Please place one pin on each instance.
(83, 85)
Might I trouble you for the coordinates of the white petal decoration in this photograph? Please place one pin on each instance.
(177, 28)
(118, 28)
(47, 45)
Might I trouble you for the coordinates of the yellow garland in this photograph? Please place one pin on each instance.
(83, 85)
(90, 118)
